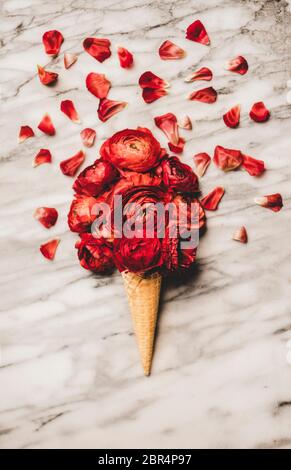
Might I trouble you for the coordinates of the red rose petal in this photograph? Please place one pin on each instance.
(46, 125)
(47, 216)
(197, 32)
(150, 80)
(253, 166)
(202, 74)
(206, 95)
(238, 65)
(97, 48)
(240, 235)
(259, 112)
(185, 123)
(170, 51)
(151, 94)
(98, 85)
(108, 108)
(43, 156)
(68, 108)
(179, 147)
(88, 136)
(125, 58)
(227, 159)
(202, 161)
(272, 201)
(70, 166)
(25, 132)
(169, 126)
(46, 77)
(69, 59)
(52, 41)
(211, 201)
(232, 117)
(49, 248)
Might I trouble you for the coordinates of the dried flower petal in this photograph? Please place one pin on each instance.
(68, 108)
(125, 58)
(238, 65)
(46, 77)
(88, 136)
(211, 201)
(47, 216)
(197, 32)
(48, 249)
(52, 41)
(169, 126)
(70, 166)
(151, 94)
(232, 117)
(170, 51)
(259, 112)
(202, 161)
(46, 125)
(253, 166)
(43, 156)
(150, 80)
(272, 201)
(185, 123)
(206, 95)
(202, 74)
(24, 133)
(98, 85)
(69, 59)
(240, 235)
(227, 159)
(108, 108)
(179, 147)
(97, 48)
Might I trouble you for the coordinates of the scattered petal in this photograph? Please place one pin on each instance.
(97, 48)
(47, 216)
(197, 32)
(46, 125)
(24, 133)
(169, 126)
(170, 51)
(272, 201)
(206, 95)
(185, 123)
(46, 77)
(179, 147)
(98, 85)
(43, 156)
(240, 235)
(48, 249)
(125, 58)
(202, 74)
(227, 159)
(150, 80)
(202, 162)
(151, 94)
(253, 166)
(52, 41)
(70, 166)
(232, 117)
(238, 65)
(211, 201)
(108, 108)
(69, 59)
(259, 112)
(68, 108)
(88, 136)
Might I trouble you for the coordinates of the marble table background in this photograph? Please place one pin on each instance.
(69, 371)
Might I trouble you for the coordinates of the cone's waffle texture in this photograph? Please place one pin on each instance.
(143, 294)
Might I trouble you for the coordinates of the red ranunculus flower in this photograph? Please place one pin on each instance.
(179, 176)
(81, 213)
(175, 257)
(137, 255)
(130, 149)
(95, 254)
(95, 178)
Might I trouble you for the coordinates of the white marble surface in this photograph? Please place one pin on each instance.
(70, 374)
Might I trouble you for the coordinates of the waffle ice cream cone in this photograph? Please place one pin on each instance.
(143, 293)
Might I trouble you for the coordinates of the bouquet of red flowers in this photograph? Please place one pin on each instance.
(137, 209)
